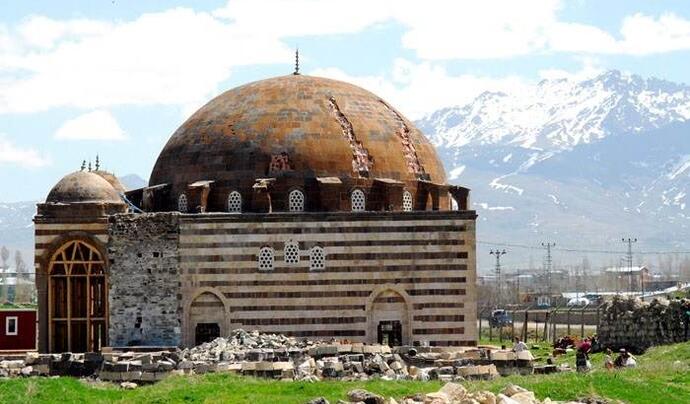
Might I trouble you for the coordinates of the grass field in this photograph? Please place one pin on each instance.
(663, 376)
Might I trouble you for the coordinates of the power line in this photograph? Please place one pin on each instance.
(578, 250)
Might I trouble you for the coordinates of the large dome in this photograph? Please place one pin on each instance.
(295, 127)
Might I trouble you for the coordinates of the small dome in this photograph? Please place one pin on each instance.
(83, 186)
(112, 179)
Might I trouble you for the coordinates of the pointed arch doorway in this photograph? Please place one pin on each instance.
(77, 299)
(389, 321)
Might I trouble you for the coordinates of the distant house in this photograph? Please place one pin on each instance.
(9, 279)
(624, 279)
(17, 329)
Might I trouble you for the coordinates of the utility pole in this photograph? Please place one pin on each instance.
(549, 261)
(517, 284)
(629, 257)
(498, 255)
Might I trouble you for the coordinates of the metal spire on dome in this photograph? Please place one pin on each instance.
(83, 165)
(98, 163)
(296, 72)
(89, 165)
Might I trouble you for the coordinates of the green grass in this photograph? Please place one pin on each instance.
(663, 376)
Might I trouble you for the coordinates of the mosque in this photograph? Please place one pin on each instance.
(296, 205)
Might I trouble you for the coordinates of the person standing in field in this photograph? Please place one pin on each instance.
(608, 359)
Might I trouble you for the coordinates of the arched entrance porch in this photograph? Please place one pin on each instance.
(77, 299)
(389, 318)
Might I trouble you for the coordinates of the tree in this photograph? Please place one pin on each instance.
(4, 255)
(24, 286)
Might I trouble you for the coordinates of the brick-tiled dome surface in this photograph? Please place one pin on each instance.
(83, 187)
(295, 126)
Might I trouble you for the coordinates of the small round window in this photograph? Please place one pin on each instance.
(358, 201)
(234, 202)
(296, 201)
(407, 201)
(182, 204)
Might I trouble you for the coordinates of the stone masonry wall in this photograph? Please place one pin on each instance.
(144, 279)
(636, 325)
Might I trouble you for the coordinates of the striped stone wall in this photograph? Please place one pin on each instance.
(417, 267)
(47, 233)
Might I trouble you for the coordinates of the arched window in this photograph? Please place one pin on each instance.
(266, 259)
(234, 202)
(182, 205)
(317, 258)
(358, 200)
(291, 252)
(407, 201)
(296, 201)
(77, 298)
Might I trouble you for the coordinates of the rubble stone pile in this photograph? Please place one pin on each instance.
(279, 357)
(453, 393)
(637, 325)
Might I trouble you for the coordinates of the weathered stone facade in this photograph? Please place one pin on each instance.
(414, 268)
(144, 288)
(303, 206)
(170, 272)
(636, 325)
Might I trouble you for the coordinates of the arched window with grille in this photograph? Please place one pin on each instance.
(358, 200)
(234, 202)
(407, 201)
(296, 201)
(317, 258)
(266, 258)
(182, 204)
(291, 252)
(77, 299)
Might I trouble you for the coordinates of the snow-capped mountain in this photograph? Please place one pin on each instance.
(582, 163)
(561, 114)
(17, 227)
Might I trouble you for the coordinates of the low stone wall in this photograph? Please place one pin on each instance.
(637, 325)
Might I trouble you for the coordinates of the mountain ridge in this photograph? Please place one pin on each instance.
(601, 158)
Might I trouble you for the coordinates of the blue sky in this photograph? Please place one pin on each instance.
(118, 77)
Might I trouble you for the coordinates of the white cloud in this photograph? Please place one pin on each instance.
(420, 88)
(477, 30)
(180, 56)
(43, 32)
(306, 17)
(20, 156)
(173, 57)
(591, 67)
(95, 125)
(648, 35)
(451, 29)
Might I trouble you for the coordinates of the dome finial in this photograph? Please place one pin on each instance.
(89, 165)
(83, 165)
(98, 163)
(296, 72)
